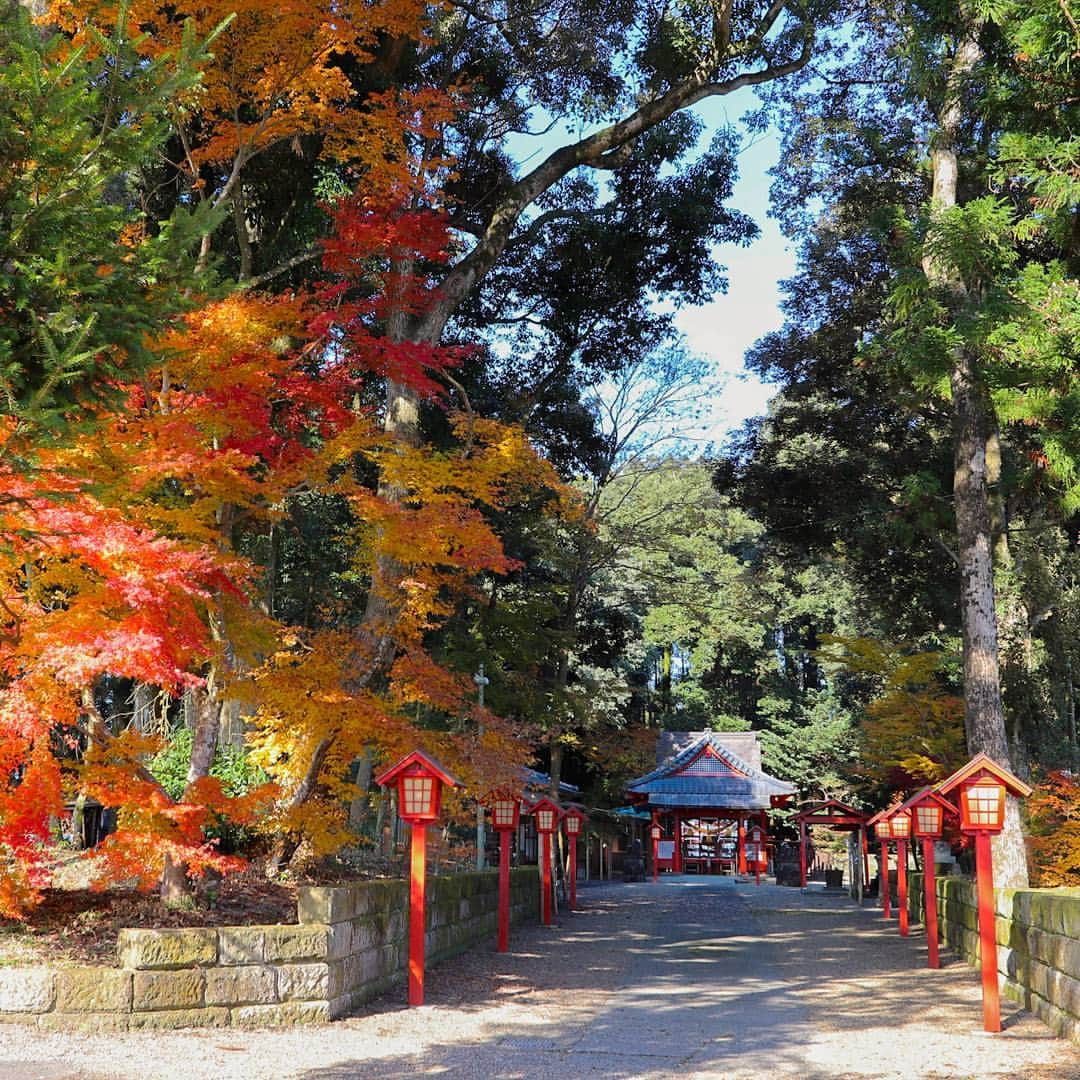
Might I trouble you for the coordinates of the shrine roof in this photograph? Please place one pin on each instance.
(707, 773)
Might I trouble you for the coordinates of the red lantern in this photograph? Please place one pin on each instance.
(656, 832)
(883, 831)
(505, 810)
(928, 810)
(505, 807)
(755, 851)
(420, 782)
(983, 785)
(898, 823)
(574, 820)
(547, 814)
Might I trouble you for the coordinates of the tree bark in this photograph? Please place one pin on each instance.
(984, 716)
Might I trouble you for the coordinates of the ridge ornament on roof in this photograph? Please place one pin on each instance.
(707, 774)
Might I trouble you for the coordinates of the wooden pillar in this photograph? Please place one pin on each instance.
(802, 854)
(676, 864)
(417, 882)
(901, 885)
(741, 863)
(545, 877)
(930, 896)
(885, 905)
(865, 856)
(984, 879)
(504, 890)
(573, 871)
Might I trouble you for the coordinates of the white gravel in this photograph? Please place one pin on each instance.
(693, 978)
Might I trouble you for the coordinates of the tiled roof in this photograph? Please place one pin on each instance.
(730, 783)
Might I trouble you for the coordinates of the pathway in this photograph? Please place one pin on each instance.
(694, 977)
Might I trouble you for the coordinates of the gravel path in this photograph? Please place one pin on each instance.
(693, 978)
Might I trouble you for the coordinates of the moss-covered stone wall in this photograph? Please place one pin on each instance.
(1038, 936)
(350, 945)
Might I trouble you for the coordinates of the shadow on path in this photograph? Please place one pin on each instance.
(703, 977)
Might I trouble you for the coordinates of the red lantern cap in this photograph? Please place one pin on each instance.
(983, 784)
(420, 780)
(575, 818)
(928, 812)
(505, 807)
(547, 813)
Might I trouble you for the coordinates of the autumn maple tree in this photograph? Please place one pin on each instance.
(124, 533)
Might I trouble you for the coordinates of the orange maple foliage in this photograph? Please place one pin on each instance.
(126, 567)
(1054, 830)
(281, 73)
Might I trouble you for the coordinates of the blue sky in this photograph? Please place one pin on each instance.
(725, 328)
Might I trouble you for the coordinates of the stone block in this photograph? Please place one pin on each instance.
(379, 897)
(295, 943)
(147, 949)
(327, 903)
(255, 985)
(290, 1012)
(175, 1019)
(310, 982)
(241, 945)
(93, 990)
(1066, 955)
(27, 990)
(181, 989)
(101, 1023)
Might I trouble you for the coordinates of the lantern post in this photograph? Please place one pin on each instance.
(547, 814)
(883, 831)
(900, 826)
(928, 810)
(982, 785)
(420, 781)
(755, 851)
(505, 807)
(656, 830)
(574, 819)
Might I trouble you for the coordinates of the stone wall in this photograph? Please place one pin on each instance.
(1038, 935)
(350, 945)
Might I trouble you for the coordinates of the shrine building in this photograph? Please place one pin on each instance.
(707, 790)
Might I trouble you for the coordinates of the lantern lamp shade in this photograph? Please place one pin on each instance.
(505, 811)
(900, 823)
(982, 805)
(752, 850)
(929, 820)
(756, 835)
(420, 795)
(573, 823)
(656, 831)
(983, 785)
(547, 814)
(420, 781)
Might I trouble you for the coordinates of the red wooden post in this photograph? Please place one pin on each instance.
(655, 830)
(504, 890)
(865, 857)
(420, 781)
(930, 896)
(417, 882)
(573, 871)
(676, 861)
(802, 854)
(885, 905)
(984, 874)
(545, 877)
(742, 844)
(983, 786)
(901, 885)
